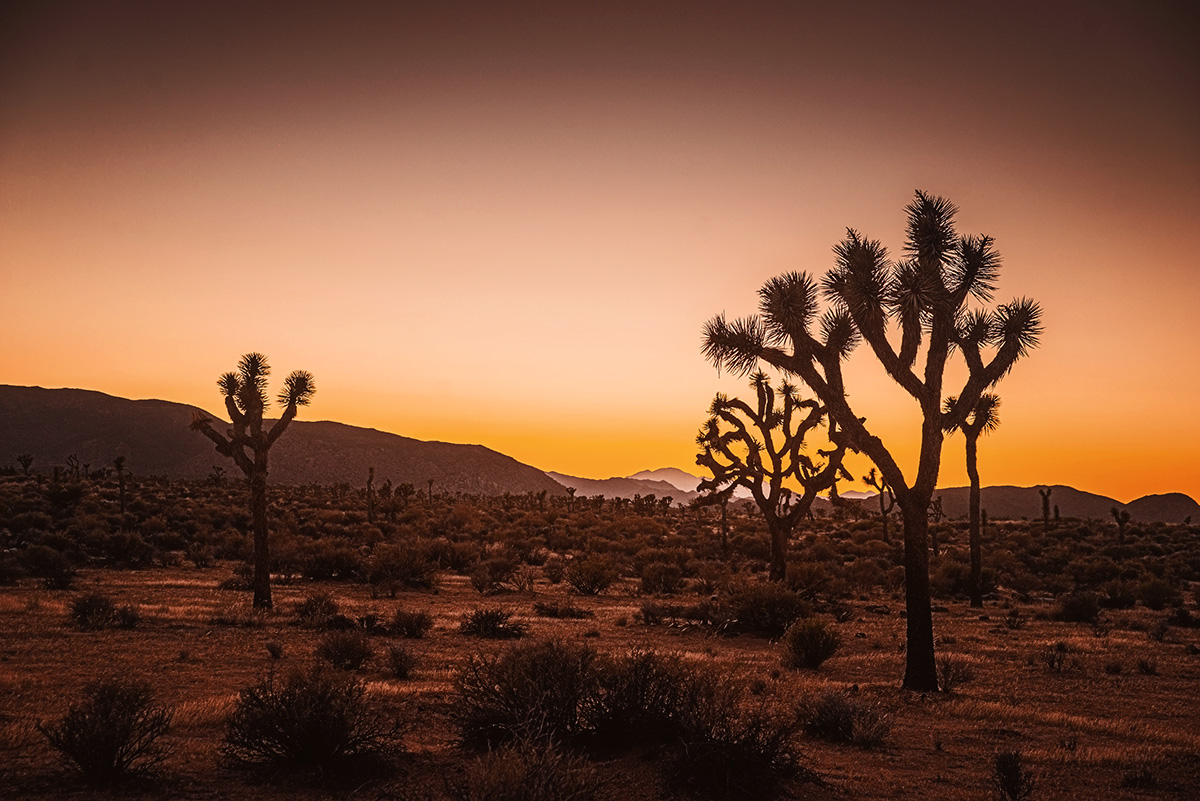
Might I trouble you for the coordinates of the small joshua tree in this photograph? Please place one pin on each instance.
(760, 448)
(247, 443)
(26, 461)
(1122, 517)
(983, 419)
(119, 463)
(1045, 493)
(887, 501)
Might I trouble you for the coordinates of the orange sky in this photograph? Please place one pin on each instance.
(507, 224)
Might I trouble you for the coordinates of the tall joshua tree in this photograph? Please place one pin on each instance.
(248, 443)
(984, 419)
(887, 501)
(759, 448)
(923, 300)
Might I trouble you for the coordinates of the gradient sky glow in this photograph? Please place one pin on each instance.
(506, 223)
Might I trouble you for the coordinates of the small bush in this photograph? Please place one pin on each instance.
(49, 565)
(554, 569)
(1010, 778)
(492, 623)
(410, 624)
(401, 661)
(530, 690)
(529, 771)
(393, 566)
(1058, 657)
(954, 671)
(840, 718)
(1078, 607)
(590, 575)
(345, 650)
(1147, 666)
(493, 574)
(1157, 594)
(808, 643)
(1113, 667)
(113, 733)
(764, 607)
(561, 609)
(660, 578)
(316, 609)
(316, 720)
(93, 611)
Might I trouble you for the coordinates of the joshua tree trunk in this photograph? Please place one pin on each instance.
(262, 552)
(920, 670)
(976, 587)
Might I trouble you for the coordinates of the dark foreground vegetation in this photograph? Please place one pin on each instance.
(535, 647)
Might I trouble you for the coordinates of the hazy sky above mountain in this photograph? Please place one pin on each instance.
(506, 223)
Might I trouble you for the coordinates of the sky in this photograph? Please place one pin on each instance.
(506, 223)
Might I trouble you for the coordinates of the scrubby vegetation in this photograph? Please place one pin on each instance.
(651, 642)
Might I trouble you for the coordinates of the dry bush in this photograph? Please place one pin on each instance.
(529, 771)
(954, 671)
(1010, 778)
(590, 575)
(840, 718)
(113, 733)
(317, 720)
(401, 661)
(410, 624)
(491, 623)
(345, 650)
(809, 643)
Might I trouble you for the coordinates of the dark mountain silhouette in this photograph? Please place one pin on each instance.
(1014, 503)
(677, 478)
(622, 487)
(1173, 507)
(153, 435)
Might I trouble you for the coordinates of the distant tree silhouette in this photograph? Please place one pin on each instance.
(248, 444)
(119, 464)
(1122, 517)
(26, 462)
(984, 419)
(759, 448)
(923, 299)
(370, 494)
(887, 501)
(1045, 493)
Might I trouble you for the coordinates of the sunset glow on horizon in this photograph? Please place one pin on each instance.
(506, 224)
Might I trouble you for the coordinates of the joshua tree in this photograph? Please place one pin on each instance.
(923, 300)
(247, 443)
(1122, 517)
(26, 462)
(759, 448)
(984, 419)
(1045, 493)
(119, 463)
(370, 494)
(570, 499)
(887, 501)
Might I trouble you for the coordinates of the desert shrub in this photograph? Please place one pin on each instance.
(274, 649)
(529, 771)
(1078, 607)
(331, 558)
(1113, 667)
(411, 624)
(316, 609)
(345, 650)
(126, 549)
(1058, 657)
(493, 574)
(554, 569)
(10, 569)
(564, 608)
(48, 565)
(840, 718)
(393, 566)
(953, 671)
(93, 611)
(533, 689)
(401, 661)
(492, 623)
(808, 643)
(590, 575)
(1157, 593)
(764, 607)
(638, 699)
(1147, 666)
(113, 732)
(661, 578)
(726, 747)
(318, 720)
(1117, 594)
(1010, 778)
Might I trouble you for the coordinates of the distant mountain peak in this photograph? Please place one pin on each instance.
(680, 479)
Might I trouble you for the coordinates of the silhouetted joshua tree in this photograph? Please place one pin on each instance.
(759, 448)
(119, 463)
(921, 299)
(887, 501)
(1045, 493)
(1122, 517)
(370, 494)
(26, 462)
(984, 419)
(248, 444)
